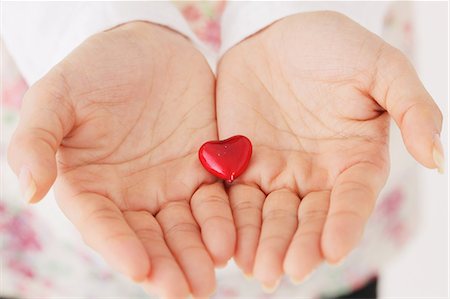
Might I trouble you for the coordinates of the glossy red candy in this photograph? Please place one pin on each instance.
(226, 159)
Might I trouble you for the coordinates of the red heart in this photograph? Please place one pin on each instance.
(226, 159)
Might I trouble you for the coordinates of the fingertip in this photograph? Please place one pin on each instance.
(399, 90)
(245, 264)
(438, 154)
(270, 288)
(304, 254)
(420, 134)
(167, 292)
(27, 185)
(31, 191)
(139, 278)
(220, 240)
(129, 257)
(246, 203)
(268, 271)
(299, 266)
(245, 253)
(35, 166)
(206, 289)
(160, 282)
(210, 207)
(340, 236)
(139, 271)
(268, 267)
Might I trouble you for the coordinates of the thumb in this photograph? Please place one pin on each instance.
(45, 118)
(398, 89)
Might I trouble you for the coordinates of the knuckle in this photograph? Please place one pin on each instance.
(347, 214)
(312, 216)
(148, 235)
(270, 240)
(248, 226)
(395, 57)
(279, 214)
(352, 186)
(214, 219)
(244, 206)
(182, 227)
(104, 213)
(211, 200)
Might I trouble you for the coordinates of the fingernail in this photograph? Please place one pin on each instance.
(27, 185)
(339, 262)
(138, 279)
(221, 266)
(438, 154)
(336, 263)
(248, 276)
(297, 281)
(211, 294)
(270, 288)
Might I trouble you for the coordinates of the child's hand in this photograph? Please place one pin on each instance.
(314, 93)
(125, 114)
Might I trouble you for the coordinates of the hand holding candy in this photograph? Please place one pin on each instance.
(314, 93)
(122, 117)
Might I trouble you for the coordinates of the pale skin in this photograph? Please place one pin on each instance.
(120, 121)
(315, 92)
(125, 114)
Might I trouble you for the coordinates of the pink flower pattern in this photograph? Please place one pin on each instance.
(12, 93)
(204, 19)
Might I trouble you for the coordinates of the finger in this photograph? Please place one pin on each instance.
(305, 253)
(351, 203)
(246, 205)
(45, 118)
(398, 89)
(278, 227)
(104, 228)
(166, 278)
(211, 209)
(182, 235)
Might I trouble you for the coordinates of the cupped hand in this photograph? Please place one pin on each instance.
(120, 121)
(315, 92)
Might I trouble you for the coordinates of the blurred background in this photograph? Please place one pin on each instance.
(421, 270)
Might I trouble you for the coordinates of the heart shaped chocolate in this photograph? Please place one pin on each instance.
(226, 159)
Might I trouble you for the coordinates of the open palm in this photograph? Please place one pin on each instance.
(125, 114)
(314, 92)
